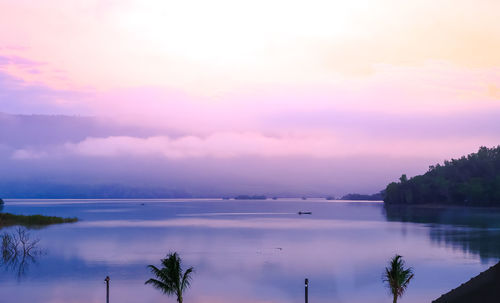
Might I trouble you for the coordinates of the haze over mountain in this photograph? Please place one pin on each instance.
(44, 155)
(69, 156)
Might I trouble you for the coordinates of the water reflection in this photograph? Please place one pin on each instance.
(474, 231)
(252, 251)
(19, 250)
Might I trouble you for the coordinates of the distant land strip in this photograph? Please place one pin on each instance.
(7, 219)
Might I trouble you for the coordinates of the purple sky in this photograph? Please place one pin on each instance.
(209, 100)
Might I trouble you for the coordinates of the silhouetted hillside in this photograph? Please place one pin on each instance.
(471, 181)
(484, 288)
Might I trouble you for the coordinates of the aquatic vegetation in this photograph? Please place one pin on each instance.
(7, 219)
(18, 250)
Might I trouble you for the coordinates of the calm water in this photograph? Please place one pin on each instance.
(249, 251)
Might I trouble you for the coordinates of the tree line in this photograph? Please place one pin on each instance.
(472, 180)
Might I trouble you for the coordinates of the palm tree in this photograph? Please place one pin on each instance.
(170, 279)
(397, 277)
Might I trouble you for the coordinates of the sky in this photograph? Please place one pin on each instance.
(346, 94)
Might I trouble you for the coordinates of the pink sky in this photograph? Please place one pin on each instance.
(274, 78)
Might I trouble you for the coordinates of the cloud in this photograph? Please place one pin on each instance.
(372, 78)
(20, 95)
(494, 91)
(217, 145)
(219, 46)
(430, 91)
(250, 144)
(24, 154)
(18, 61)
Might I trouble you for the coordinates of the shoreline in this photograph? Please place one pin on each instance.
(8, 220)
(442, 206)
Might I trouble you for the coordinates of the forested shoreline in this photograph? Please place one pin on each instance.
(472, 180)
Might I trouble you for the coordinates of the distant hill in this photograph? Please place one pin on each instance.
(374, 197)
(473, 180)
(250, 197)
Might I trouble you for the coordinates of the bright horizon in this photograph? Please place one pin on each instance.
(348, 95)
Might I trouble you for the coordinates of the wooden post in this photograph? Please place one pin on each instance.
(307, 290)
(107, 288)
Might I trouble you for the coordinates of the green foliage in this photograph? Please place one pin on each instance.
(170, 279)
(470, 181)
(397, 277)
(7, 219)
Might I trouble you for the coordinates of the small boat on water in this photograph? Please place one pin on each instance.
(305, 213)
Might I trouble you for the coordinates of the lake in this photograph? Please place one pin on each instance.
(249, 251)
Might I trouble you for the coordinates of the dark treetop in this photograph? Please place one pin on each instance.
(470, 181)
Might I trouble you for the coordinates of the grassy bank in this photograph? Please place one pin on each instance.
(7, 219)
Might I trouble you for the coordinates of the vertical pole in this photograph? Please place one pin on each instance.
(307, 291)
(107, 289)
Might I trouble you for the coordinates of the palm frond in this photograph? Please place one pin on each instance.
(161, 286)
(159, 273)
(397, 277)
(171, 279)
(186, 279)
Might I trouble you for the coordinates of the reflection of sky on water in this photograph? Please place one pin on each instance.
(244, 253)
